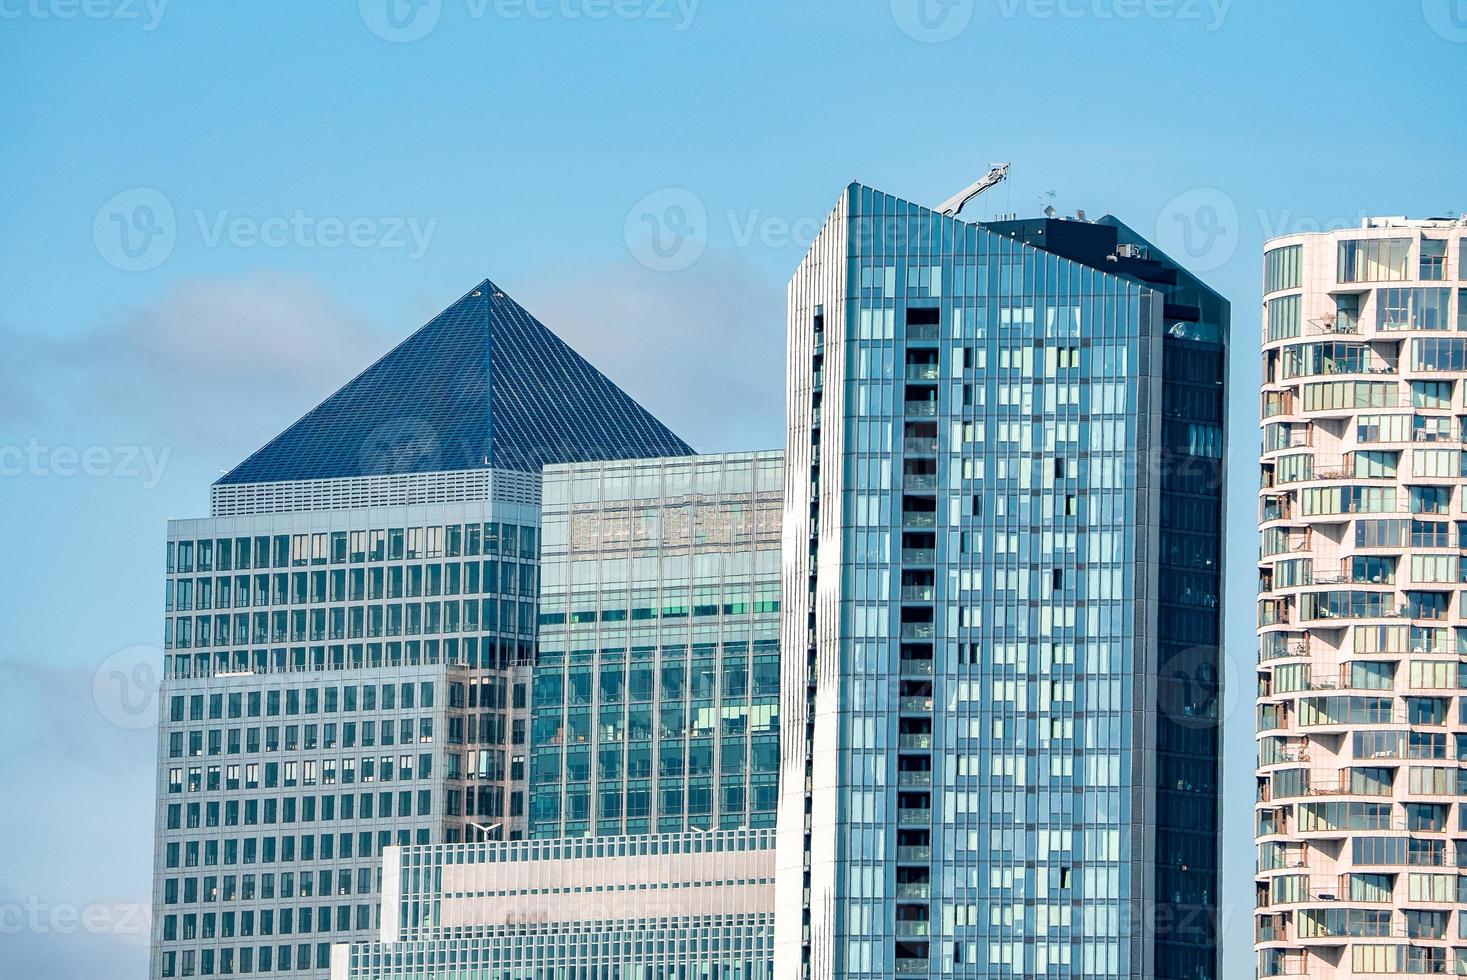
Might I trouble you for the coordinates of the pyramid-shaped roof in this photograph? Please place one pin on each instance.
(483, 384)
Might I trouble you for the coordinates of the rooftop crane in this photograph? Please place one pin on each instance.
(954, 205)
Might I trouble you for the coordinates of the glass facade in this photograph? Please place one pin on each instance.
(350, 637)
(335, 683)
(1362, 726)
(656, 687)
(1002, 526)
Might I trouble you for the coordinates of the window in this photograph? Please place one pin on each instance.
(1284, 317)
(1433, 259)
(1413, 309)
(1281, 268)
(1374, 260)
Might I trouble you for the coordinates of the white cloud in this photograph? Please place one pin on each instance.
(210, 363)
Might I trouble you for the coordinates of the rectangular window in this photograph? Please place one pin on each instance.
(1374, 260)
(1281, 268)
(1284, 317)
(1433, 259)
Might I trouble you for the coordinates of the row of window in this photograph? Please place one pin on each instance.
(232, 852)
(475, 652)
(229, 960)
(350, 585)
(291, 701)
(341, 547)
(350, 622)
(308, 772)
(304, 919)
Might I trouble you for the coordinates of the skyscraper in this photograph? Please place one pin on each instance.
(654, 741)
(349, 637)
(1361, 723)
(1002, 602)
(656, 686)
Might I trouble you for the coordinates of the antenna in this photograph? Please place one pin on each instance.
(954, 205)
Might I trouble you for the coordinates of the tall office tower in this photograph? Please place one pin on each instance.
(349, 637)
(1001, 602)
(656, 687)
(1362, 725)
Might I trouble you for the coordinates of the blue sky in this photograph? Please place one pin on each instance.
(299, 185)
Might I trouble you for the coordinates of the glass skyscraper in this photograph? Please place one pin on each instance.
(1001, 602)
(654, 747)
(656, 685)
(349, 638)
(1362, 724)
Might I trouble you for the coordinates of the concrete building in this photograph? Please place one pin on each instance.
(689, 905)
(1361, 722)
(350, 634)
(1001, 602)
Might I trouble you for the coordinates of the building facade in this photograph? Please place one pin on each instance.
(644, 907)
(1002, 591)
(1362, 725)
(349, 638)
(654, 747)
(656, 684)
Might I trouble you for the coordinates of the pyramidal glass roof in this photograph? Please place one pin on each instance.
(483, 384)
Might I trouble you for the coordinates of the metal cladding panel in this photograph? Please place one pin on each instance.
(482, 384)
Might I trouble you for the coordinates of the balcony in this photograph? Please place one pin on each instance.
(919, 481)
(923, 372)
(918, 631)
(908, 967)
(917, 667)
(913, 889)
(916, 704)
(921, 410)
(914, 780)
(922, 331)
(923, 519)
(916, 815)
(919, 446)
(914, 855)
(919, 556)
(914, 927)
(918, 741)
(917, 593)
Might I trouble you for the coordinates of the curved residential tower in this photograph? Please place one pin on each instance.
(1362, 615)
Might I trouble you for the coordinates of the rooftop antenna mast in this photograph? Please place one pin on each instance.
(954, 205)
